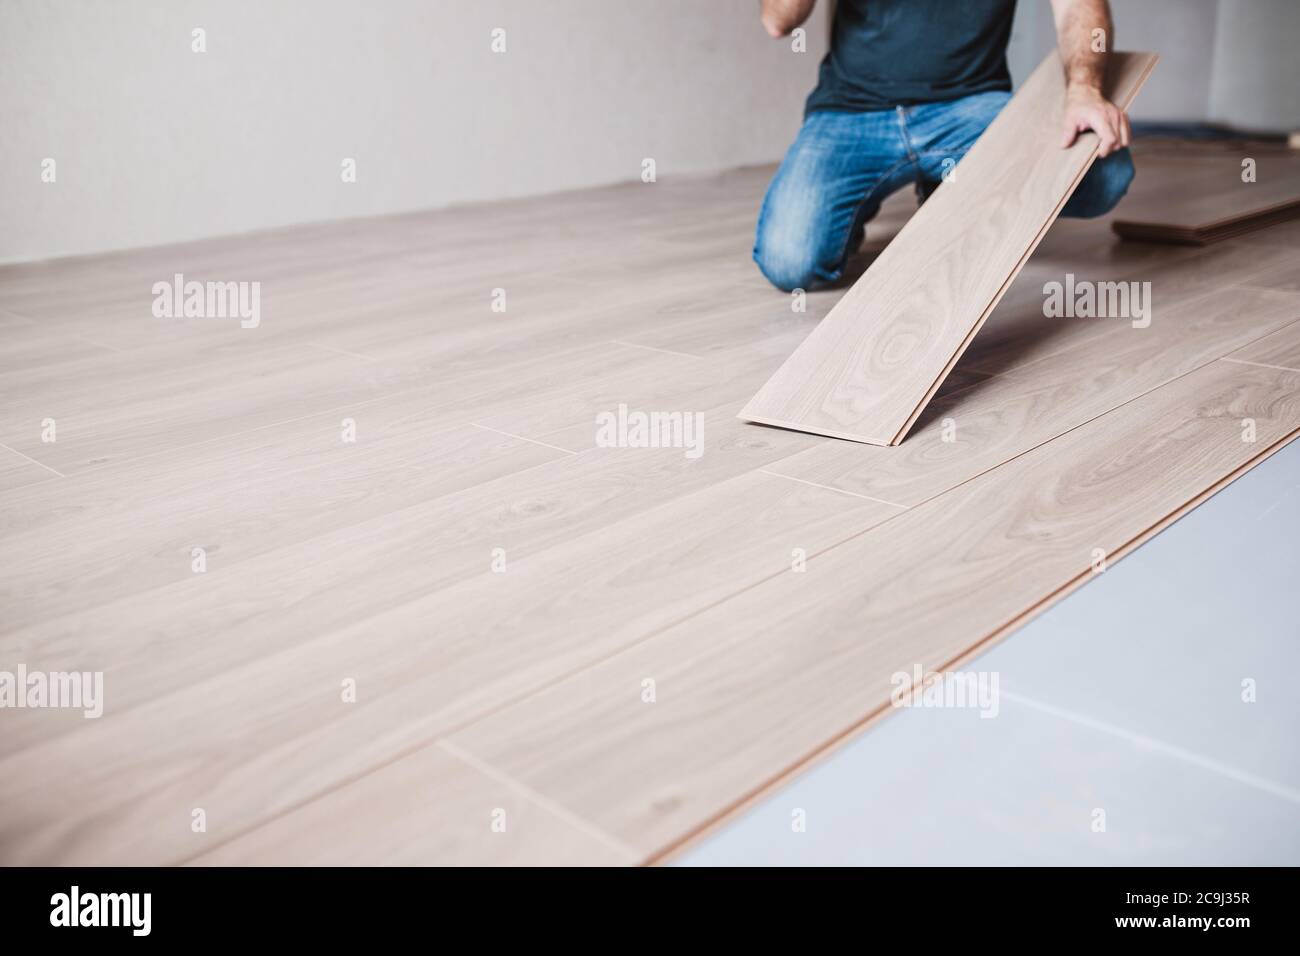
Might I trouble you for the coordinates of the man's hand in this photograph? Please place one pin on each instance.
(1085, 33)
(1086, 108)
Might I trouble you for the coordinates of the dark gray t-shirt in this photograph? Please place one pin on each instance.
(887, 53)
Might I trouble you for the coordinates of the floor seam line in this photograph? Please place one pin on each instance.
(558, 679)
(249, 431)
(338, 351)
(541, 800)
(111, 348)
(814, 484)
(1280, 368)
(399, 393)
(488, 428)
(1152, 743)
(32, 460)
(651, 348)
(25, 319)
(232, 568)
(1074, 427)
(456, 728)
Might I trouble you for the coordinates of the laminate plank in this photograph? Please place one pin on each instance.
(383, 819)
(698, 385)
(95, 540)
(1208, 201)
(31, 347)
(1281, 349)
(1284, 276)
(1283, 235)
(780, 672)
(758, 328)
(241, 387)
(867, 370)
(270, 733)
(141, 404)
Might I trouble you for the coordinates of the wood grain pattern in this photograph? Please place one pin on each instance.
(482, 820)
(272, 587)
(774, 674)
(495, 637)
(874, 362)
(373, 561)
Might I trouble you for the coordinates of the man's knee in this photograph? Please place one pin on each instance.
(1103, 187)
(1116, 172)
(787, 259)
(793, 247)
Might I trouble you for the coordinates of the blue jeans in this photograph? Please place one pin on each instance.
(843, 165)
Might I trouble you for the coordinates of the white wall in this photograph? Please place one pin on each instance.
(155, 143)
(1228, 61)
(1181, 31)
(1256, 81)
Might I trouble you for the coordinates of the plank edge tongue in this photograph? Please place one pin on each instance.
(831, 384)
(796, 427)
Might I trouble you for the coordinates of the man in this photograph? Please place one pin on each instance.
(906, 89)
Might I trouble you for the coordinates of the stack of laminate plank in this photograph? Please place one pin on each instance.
(1196, 203)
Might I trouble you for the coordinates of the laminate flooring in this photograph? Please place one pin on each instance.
(391, 577)
(1124, 697)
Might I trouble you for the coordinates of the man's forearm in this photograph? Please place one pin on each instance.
(1085, 35)
(1077, 26)
(781, 16)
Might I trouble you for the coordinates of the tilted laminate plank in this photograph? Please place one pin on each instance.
(868, 368)
(967, 432)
